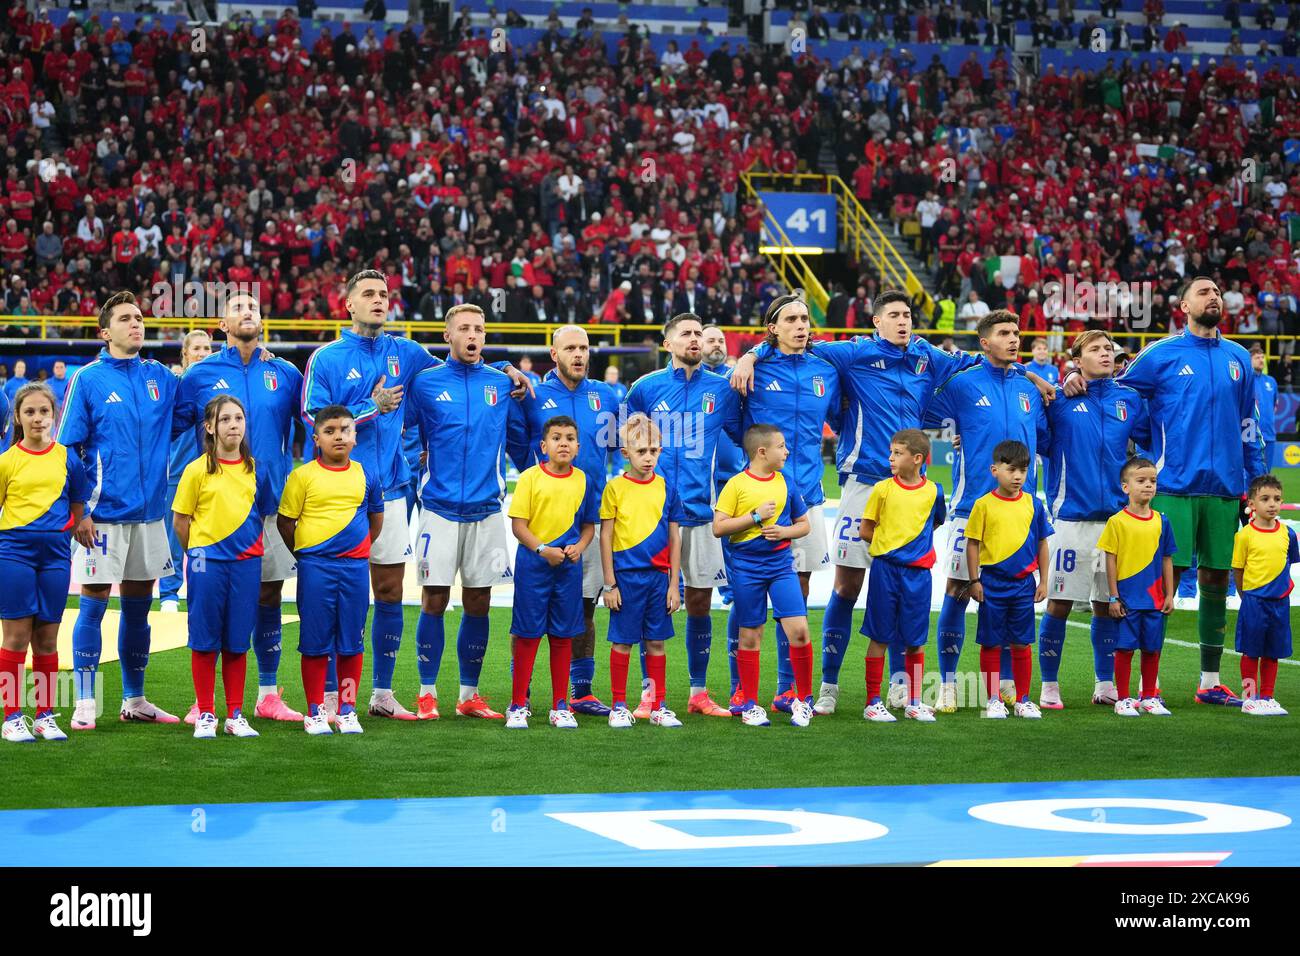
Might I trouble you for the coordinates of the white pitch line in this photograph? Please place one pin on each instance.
(1178, 643)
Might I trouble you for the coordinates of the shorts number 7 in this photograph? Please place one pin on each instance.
(424, 553)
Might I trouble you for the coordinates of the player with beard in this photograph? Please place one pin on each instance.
(566, 390)
(268, 388)
(691, 406)
(368, 370)
(1206, 443)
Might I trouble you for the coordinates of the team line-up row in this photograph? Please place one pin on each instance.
(1134, 492)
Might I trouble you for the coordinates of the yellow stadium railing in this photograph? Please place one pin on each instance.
(618, 334)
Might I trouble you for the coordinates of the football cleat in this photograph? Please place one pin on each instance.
(1218, 694)
(589, 705)
(1256, 707)
(205, 727)
(827, 699)
(647, 702)
(18, 729)
(878, 713)
(83, 715)
(426, 708)
(620, 718)
(384, 704)
(138, 708)
(1153, 706)
(737, 704)
(192, 714)
(1028, 709)
(702, 703)
(1277, 709)
(996, 710)
(1128, 707)
(1049, 697)
(801, 713)
(47, 729)
(476, 706)
(517, 717)
(273, 707)
(784, 702)
(1105, 694)
(921, 713)
(897, 694)
(1007, 691)
(663, 717)
(319, 725)
(755, 717)
(349, 723)
(562, 719)
(947, 699)
(331, 705)
(239, 727)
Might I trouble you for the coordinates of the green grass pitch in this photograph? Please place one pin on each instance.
(135, 764)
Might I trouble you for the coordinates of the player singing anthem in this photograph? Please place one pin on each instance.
(43, 491)
(462, 412)
(117, 415)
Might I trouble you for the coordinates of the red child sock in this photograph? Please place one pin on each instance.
(203, 665)
(1123, 674)
(991, 669)
(349, 670)
(801, 664)
(1150, 674)
(656, 666)
(11, 680)
(747, 664)
(618, 677)
(234, 669)
(561, 652)
(525, 653)
(875, 676)
(915, 671)
(1267, 676)
(1022, 669)
(46, 668)
(1249, 677)
(314, 670)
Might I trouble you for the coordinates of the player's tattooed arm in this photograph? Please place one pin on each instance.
(386, 399)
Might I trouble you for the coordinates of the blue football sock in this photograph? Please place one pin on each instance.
(385, 639)
(1104, 630)
(699, 637)
(733, 645)
(645, 674)
(266, 645)
(87, 641)
(951, 635)
(836, 624)
(471, 646)
(1005, 666)
(1051, 643)
(784, 670)
(897, 662)
(430, 639)
(1187, 583)
(133, 644)
(332, 675)
(582, 671)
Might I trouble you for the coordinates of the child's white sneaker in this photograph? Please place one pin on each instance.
(755, 717)
(801, 712)
(663, 717)
(349, 723)
(205, 727)
(47, 729)
(18, 730)
(1028, 709)
(920, 713)
(563, 719)
(996, 710)
(1153, 706)
(878, 713)
(240, 727)
(1128, 707)
(319, 725)
(621, 718)
(1256, 707)
(517, 718)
